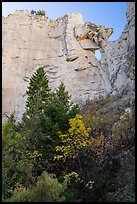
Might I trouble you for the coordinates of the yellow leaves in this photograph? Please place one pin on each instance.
(76, 138)
(18, 188)
(20, 137)
(58, 157)
(88, 129)
(37, 154)
(77, 126)
(33, 155)
(73, 176)
(62, 136)
(58, 148)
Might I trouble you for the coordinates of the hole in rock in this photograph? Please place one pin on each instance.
(98, 54)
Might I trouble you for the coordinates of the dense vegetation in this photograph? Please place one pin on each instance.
(59, 152)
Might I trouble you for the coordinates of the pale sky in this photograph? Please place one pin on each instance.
(111, 14)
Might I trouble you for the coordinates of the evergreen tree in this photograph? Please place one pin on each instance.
(59, 111)
(56, 119)
(38, 95)
(63, 95)
(47, 113)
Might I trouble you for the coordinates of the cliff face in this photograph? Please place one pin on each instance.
(66, 48)
(115, 61)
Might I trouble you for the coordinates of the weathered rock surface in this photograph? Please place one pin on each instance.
(115, 61)
(66, 48)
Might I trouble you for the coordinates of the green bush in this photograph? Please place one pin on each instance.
(41, 12)
(47, 189)
(5, 184)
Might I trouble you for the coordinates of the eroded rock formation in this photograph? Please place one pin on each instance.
(116, 55)
(66, 48)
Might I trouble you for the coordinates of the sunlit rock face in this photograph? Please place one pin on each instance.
(66, 48)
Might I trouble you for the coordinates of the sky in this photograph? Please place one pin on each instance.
(111, 14)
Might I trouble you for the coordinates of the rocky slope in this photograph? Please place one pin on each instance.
(66, 48)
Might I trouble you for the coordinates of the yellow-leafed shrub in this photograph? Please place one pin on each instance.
(76, 139)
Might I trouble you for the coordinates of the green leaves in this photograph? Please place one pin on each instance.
(47, 189)
(41, 12)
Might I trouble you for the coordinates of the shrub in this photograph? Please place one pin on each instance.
(41, 13)
(47, 189)
(76, 138)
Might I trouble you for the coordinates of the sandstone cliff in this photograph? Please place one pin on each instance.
(66, 48)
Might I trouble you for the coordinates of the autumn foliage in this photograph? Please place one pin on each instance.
(60, 152)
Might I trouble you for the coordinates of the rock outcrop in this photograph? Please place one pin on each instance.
(66, 48)
(116, 55)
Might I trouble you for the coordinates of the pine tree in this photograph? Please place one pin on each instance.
(47, 113)
(59, 110)
(56, 119)
(38, 98)
(63, 95)
(38, 95)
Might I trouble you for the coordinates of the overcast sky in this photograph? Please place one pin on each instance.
(111, 14)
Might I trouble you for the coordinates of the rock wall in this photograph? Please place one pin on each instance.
(115, 61)
(66, 48)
